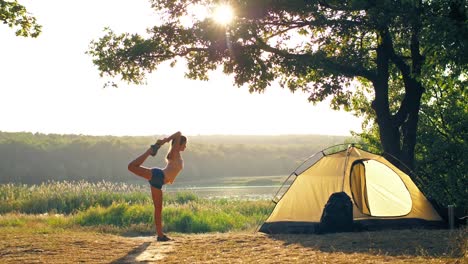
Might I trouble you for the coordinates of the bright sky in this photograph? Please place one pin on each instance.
(49, 85)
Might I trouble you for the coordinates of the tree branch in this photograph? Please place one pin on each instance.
(319, 60)
(343, 8)
(174, 54)
(434, 125)
(411, 92)
(315, 23)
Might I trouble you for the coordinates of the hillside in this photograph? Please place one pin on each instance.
(35, 158)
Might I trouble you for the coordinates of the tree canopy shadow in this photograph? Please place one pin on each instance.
(413, 242)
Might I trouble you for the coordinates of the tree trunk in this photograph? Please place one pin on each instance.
(413, 88)
(389, 132)
(410, 125)
(398, 131)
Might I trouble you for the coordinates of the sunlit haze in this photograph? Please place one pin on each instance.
(223, 14)
(49, 85)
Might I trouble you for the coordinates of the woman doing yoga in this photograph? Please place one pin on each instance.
(158, 177)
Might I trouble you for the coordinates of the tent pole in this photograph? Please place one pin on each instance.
(346, 165)
(280, 188)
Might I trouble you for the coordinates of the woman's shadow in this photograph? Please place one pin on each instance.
(132, 255)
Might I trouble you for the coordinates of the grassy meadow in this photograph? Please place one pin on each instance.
(124, 209)
(71, 222)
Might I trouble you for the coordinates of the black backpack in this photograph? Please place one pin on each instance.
(337, 215)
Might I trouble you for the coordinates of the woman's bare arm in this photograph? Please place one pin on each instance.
(175, 147)
(173, 136)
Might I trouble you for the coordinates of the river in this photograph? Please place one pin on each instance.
(230, 192)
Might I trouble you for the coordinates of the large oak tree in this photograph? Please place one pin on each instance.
(332, 49)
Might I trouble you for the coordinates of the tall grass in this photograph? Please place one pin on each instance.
(67, 197)
(127, 208)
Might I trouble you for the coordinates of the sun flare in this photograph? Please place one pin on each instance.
(223, 14)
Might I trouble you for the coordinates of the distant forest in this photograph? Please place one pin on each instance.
(35, 158)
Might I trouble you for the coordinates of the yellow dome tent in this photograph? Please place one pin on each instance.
(382, 195)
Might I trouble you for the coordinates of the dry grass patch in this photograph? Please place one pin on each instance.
(45, 245)
(61, 246)
(410, 246)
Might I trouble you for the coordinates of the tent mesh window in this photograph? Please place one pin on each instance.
(377, 190)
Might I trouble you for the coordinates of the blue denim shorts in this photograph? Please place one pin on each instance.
(157, 178)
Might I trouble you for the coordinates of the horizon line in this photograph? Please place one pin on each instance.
(188, 134)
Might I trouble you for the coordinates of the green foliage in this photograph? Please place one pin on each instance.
(117, 214)
(180, 198)
(321, 47)
(16, 16)
(215, 215)
(127, 212)
(12, 221)
(441, 166)
(198, 221)
(44, 223)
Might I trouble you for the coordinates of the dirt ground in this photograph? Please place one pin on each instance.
(404, 246)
